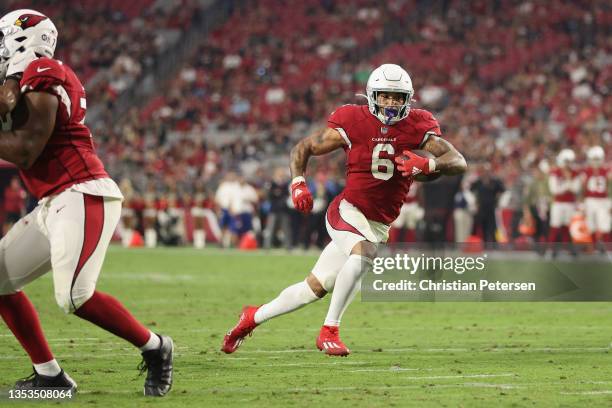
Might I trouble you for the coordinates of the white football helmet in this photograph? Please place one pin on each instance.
(389, 78)
(596, 155)
(565, 157)
(25, 34)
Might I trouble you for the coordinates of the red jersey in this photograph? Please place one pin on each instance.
(564, 189)
(596, 182)
(373, 183)
(14, 199)
(200, 201)
(69, 156)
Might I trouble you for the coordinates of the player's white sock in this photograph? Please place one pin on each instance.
(153, 344)
(290, 299)
(150, 238)
(199, 238)
(347, 285)
(49, 369)
(126, 237)
(226, 239)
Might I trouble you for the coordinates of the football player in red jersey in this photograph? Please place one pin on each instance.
(78, 210)
(378, 140)
(564, 185)
(597, 179)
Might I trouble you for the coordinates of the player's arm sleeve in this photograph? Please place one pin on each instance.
(338, 120)
(428, 126)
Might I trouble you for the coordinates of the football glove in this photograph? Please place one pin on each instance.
(411, 164)
(300, 195)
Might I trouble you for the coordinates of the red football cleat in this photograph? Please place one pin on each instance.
(329, 342)
(234, 338)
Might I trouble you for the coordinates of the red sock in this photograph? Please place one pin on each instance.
(394, 235)
(565, 234)
(108, 313)
(553, 234)
(21, 317)
(410, 235)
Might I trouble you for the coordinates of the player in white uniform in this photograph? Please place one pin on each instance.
(564, 184)
(597, 179)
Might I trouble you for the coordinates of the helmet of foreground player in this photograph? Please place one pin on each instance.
(565, 157)
(596, 155)
(389, 78)
(26, 32)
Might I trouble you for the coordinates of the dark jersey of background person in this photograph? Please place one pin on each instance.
(487, 191)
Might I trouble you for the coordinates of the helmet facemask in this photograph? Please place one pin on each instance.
(389, 114)
(4, 56)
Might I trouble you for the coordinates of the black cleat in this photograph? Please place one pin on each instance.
(158, 365)
(62, 381)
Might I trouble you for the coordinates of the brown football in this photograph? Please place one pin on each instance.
(424, 178)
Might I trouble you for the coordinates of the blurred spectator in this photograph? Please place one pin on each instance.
(202, 214)
(403, 229)
(242, 206)
(537, 201)
(564, 184)
(487, 189)
(170, 219)
(277, 218)
(149, 219)
(14, 199)
(225, 195)
(463, 214)
(315, 230)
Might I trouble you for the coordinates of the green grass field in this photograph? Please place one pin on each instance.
(404, 354)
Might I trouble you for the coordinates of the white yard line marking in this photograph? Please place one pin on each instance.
(317, 364)
(388, 370)
(249, 390)
(75, 339)
(510, 349)
(158, 277)
(447, 377)
(491, 385)
(253, 390)
(278, 351)
(601, 392)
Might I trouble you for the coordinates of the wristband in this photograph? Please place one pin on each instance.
(432, 165)
(298, 179)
